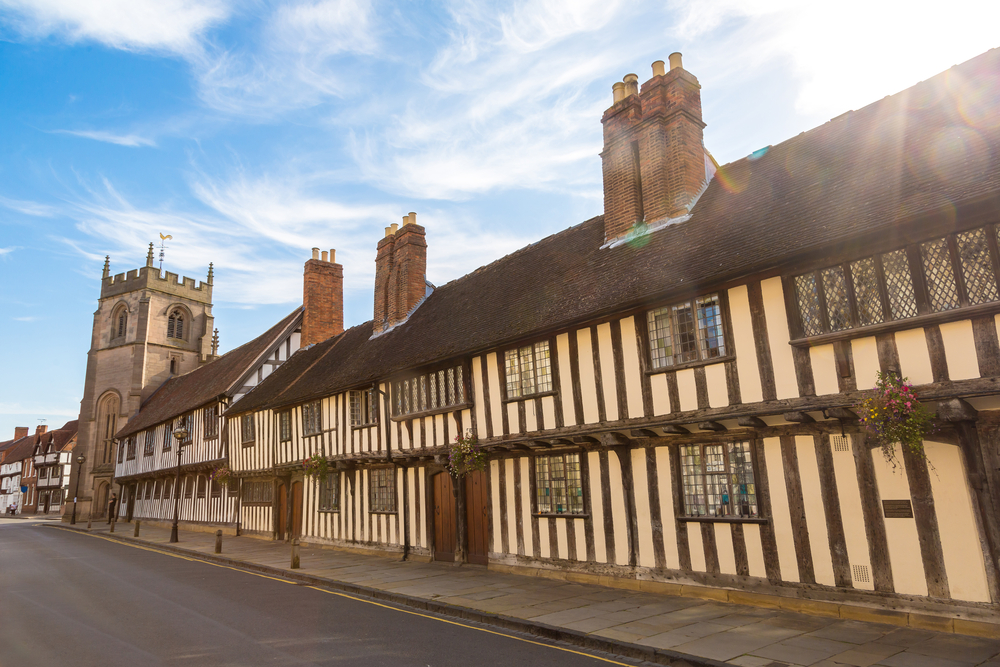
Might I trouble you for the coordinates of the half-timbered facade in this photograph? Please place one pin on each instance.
(666, 391)
(149, 456)
(50, 466)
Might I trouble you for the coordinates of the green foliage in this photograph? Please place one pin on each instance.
(222, 475)
(466, 456)
(891, 413)
(316, 466)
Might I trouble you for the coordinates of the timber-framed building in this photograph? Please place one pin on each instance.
(665, 392)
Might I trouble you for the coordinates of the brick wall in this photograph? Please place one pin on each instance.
(323, 299)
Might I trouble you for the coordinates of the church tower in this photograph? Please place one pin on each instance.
(148, 327)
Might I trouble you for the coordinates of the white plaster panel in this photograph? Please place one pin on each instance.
(511, 507)
(724, 545)
(588, 383)
(549, 411)
(697, 546)
(687, 390)
(529, 544)
(633, 372)
(824, 368)
(579, 530)
(812, 497)
(746, 347)
(477, 389)
(438, 434)
(496, 405)
(960, 350)
(782, 519)
(963, 555)
(777, 335)
(530, 416)
(618, 509)
(914, 358)
(562, 543)
(513, 422)
(901, 534)
(597, 506)
(543, 538)
(644, 521)
(718, 390)
(664, 479)
(661, 394)
(565, 380)
(607, 356)
(495, 497)
(866, 366)
(849, 494)
(755, 550)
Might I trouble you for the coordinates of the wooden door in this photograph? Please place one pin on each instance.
(282, 511)
(46, 502)
(477, 519)
(297, 509)
(445, 528)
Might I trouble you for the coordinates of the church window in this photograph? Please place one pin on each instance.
(119, 323)
(529, 370)
(718, 480)
(686, 332)
(175, 324)
(107, 424)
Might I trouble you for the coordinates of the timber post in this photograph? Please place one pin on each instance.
(90, 521)
(461, 527)
(295, 553)
(218, 541)
(113, 522)
(135, 533)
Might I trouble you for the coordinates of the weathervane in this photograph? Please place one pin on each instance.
(163, 247)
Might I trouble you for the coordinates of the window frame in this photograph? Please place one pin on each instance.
(172, 333)
(925, 314)
(130, 445)
(681, 508)
(382, 471)
(584, 510)
(328, 495)
(316, 405)
(552, 371)
(725, 324)
(368, 407)
(285, 419)
(398, 397)
(257, 493)
(149, 446)
(248, 419)
(210, 422)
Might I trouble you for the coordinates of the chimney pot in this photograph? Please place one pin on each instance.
(631, 84)
(412, 217)
(406, 220)
(41, 428)
(315, 253)
(324, 256)
(20, 432)
(658, 68)
(675, 60)
(395, 227)
(388, 231)
(618, 91)
(333, 256)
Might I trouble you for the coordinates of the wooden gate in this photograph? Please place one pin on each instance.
(477, 519)
(297, 509)
(445, 528)
(282, 511)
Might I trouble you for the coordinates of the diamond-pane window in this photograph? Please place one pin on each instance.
(866, 291)
(807, 294)
(941, 288)
(838, 306)
(899, 285)
(977, 267)
(434, 391)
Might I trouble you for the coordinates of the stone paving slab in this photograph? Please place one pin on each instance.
(733, 633)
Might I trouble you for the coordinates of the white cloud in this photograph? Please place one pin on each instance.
(28, 208)
(26, 318)
(131, 140)
(6, 251)
(167, 25)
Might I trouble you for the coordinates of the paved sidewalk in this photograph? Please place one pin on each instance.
(737, 634)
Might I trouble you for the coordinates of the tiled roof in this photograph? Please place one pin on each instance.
(204, 384)
(854, 178)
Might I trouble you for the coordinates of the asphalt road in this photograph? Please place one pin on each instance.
(74, 599)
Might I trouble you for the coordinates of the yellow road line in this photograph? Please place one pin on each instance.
(352, 597)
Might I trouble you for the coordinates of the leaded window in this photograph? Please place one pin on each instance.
(718, 480)
(329, 492)
(157, 489)
(686, 332)
(382, 490)
(247, 428)
(167, 437)
(285, 426)
(957, 270)
(439, 390)
(364, 407)
(130, 444)
(188, 487)
(312, 420)
(529, 370)
(150, 443)
(210, 421)
(216, 488)
(257, 493)
(168, 488)
(558, 484)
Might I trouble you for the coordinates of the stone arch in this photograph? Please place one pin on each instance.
(179, 321)
(119, 321)
(100, 508)
(108, 409)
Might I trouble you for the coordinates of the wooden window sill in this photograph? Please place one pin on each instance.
(333, 511)
(528, 397)
(383, 512)
(360, 427)
(722, 519)
(249, 444)
(927, 319)
(561, 515)
(690, 364)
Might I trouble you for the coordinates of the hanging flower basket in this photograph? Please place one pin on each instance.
(465, 456)
(221, 475)
(316, 466)
(892, 414)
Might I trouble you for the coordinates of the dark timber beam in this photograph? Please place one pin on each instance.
(750, 421)
(956, 410)
(643, 433)
(711, 426)
(843, 414)
(615, 439)
(798, 418)
(671, 429)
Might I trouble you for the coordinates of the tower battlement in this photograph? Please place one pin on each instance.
(149, 278)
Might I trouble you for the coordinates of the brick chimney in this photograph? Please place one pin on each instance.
(20, 432)
(400, 273)
(41, 428)
(322, 297)
(654, 160)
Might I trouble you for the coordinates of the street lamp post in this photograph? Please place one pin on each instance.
(180, 435)
(80, 459)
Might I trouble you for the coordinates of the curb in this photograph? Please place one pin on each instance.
(519, 625)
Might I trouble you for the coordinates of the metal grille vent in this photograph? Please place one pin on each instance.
(840, 443)
(861, 574)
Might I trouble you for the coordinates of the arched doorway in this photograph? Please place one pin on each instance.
(100, 508)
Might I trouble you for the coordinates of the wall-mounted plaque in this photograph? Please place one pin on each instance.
(897, 509)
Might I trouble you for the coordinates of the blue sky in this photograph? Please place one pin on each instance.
(252, 131)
